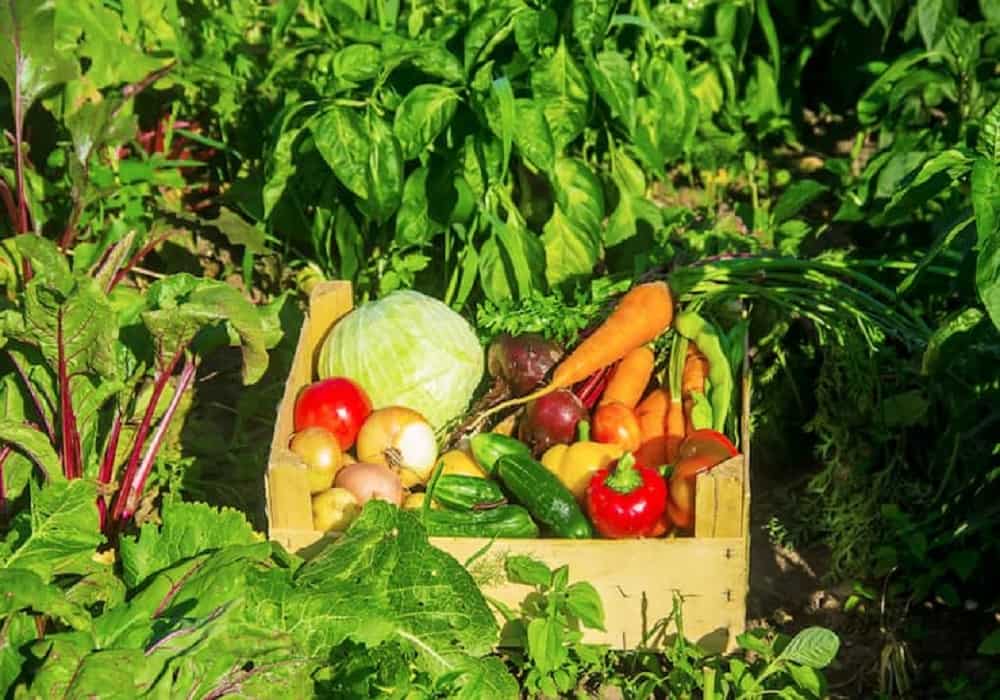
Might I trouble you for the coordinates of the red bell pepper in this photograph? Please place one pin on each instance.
(626, 500)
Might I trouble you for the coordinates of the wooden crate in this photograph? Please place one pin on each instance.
(637, 579)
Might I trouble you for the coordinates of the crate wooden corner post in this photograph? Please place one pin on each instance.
(638, 580)
(289, 507)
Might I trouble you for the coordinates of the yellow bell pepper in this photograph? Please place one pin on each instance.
(459, 461)
(576, 464)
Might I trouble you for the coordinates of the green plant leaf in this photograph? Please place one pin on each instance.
(959, 323)
(571, 251)
(590, 21)
(30, 62)
(490, 24)
(385, 170)
(986, 203)
(525, 570)
(933, 18)
(584, 602)
(504, 94)
(59, 535)
(511, 262)
(413, 221)
(32, 443)
(612, 77)
(188, 529)
(422, 115)
(988, 142)
(279, 165)
(357, 62)
(534, 29)
(342, 140)
(545, 644)
(795, 198)
(815, 647)
(807, 679)
(560, 77)
(25, 590)
(991, 645)
(482, 679)
(533, 136)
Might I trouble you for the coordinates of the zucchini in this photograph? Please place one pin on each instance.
(463, 492)
(503, 521)
(488, 448)
(546, 498)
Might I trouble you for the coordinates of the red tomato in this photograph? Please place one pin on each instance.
(336, 404)
(616, 424)
(699, 452)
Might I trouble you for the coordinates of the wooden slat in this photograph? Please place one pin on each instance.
(718, 506)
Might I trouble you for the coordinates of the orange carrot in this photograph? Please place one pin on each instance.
(629, 380)
(693, 380)
(652, 412)
(674, 429)
(641, 315)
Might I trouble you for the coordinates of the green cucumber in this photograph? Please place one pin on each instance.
(463, 492)
(502, 521)
(488, 448)
(545, 497)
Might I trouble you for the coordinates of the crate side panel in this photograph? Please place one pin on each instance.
(636, 580)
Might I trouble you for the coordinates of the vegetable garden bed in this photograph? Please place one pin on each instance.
(638, 579)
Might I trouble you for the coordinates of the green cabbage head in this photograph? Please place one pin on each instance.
(407, 349)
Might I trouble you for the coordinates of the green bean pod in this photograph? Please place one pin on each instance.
(706, 336)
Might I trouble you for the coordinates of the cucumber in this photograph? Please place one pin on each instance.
(545, 497)
(488, 448)
(503, 521)
(462, 492)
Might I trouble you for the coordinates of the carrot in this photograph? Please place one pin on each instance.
(641, 315)
(652, 412)
(693, 380)
(629, 380)
(674, 429)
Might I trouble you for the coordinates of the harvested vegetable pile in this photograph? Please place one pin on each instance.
(603, 438)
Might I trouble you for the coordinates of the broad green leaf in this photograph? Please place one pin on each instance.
(571, 251)
(560, 77)
(25, 590)
(279, 165)
(627, 174)
(583, 600)
(534, 29)
(102, 586)
(357, 62)
(30, 63)
(96, 125)
(990, 10)
(876, 97)
(343, 141)
(933, 18)
(45, 257)
(771, 35)
(799, 194)
(349, 242)
(546, 645)
(71, 318)
(904, 409)
(579, 193)
(525, 570)
(505, 116)
(413, 221)
(511, 263)
(612, 77)
(437, 61)
(991, 645)
(483, 679)
(590, 21)
(815, 647)
(986, 203)
(481, 162)
(239, 232)
(567, 120)
(385, 170)
(807, 679)
(490, 25)
(19, 629)
(989, 134)
(935, 175)
(188, 529)
(422, 115)
(623, 221)
(61, 532)
(533, 136)
(32, 443)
